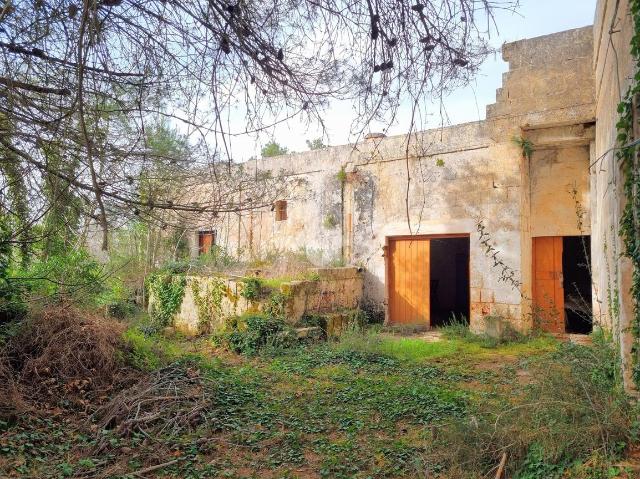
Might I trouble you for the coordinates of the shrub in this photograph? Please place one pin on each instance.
(252, 288)
(70, 277)
(250, 333)
(217, 257)
(117, 300)
(276, 307)
(457, 328)
(12, 303)
(501, 332)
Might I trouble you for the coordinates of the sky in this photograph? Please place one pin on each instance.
(533, 18)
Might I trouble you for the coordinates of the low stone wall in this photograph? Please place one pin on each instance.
(209, 301)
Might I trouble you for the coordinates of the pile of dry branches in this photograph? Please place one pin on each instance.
(172, 400)
(62, 352)
(10, 400)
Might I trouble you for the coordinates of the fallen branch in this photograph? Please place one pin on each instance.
(503, 463)
(153, 468)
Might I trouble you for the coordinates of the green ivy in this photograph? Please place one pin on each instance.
(252, 288)
(209, 301)
(276, 307)
(629, 230)
(168, 292)
(253, 332)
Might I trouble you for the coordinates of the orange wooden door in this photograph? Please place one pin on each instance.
(548, 291)
(206, 241)
(408, 281)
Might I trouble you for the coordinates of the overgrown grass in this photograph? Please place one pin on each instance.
(368, 406)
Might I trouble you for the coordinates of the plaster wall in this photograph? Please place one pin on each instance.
(560, 192)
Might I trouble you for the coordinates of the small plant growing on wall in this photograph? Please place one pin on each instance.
(251, 289)
(329, 221)
(342, 175)
(526, 146)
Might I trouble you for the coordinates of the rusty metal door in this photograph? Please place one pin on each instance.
(408, 278)
(548, 290)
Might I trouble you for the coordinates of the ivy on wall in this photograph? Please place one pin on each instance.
(168, 292)
(208, 300)
(252, 289)
(626, 156)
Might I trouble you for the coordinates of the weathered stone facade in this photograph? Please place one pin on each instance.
(614, 70)
(210, 300)
(352, 198)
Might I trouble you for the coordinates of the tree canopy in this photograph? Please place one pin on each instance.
(81, 81)
(273, 149)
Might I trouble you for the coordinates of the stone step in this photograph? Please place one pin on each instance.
(312, 332)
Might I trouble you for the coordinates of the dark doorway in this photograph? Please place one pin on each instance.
(576, 274)
(449, 284)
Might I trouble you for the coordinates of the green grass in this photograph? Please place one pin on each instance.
(416, 349)
(368, 406)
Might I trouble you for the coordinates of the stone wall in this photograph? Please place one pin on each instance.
(332, 290)
(348, 200)
(614, 69)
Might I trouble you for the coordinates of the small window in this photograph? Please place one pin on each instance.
(206, 241)
(281, 210)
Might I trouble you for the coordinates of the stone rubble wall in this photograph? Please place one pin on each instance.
(334, 290)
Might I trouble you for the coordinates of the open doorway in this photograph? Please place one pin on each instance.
(576, 274)
(449, 280)
(562, 284)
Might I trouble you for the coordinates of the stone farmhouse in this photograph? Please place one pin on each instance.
(515, 216)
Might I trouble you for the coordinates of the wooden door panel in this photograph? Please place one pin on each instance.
(548, 291)
(408, 276)
(206, 241)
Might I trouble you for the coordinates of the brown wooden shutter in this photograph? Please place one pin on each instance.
(548, 291)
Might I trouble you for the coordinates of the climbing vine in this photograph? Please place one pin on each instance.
(507, 274)
(168, 292)
(208, 301)
(627, 157)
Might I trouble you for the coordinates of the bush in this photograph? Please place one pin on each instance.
(116, 299)
(13, 305)
(250, 333)
(502, 332)
(72, 277)
(252, 289)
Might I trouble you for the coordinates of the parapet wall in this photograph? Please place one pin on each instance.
(210, 300)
